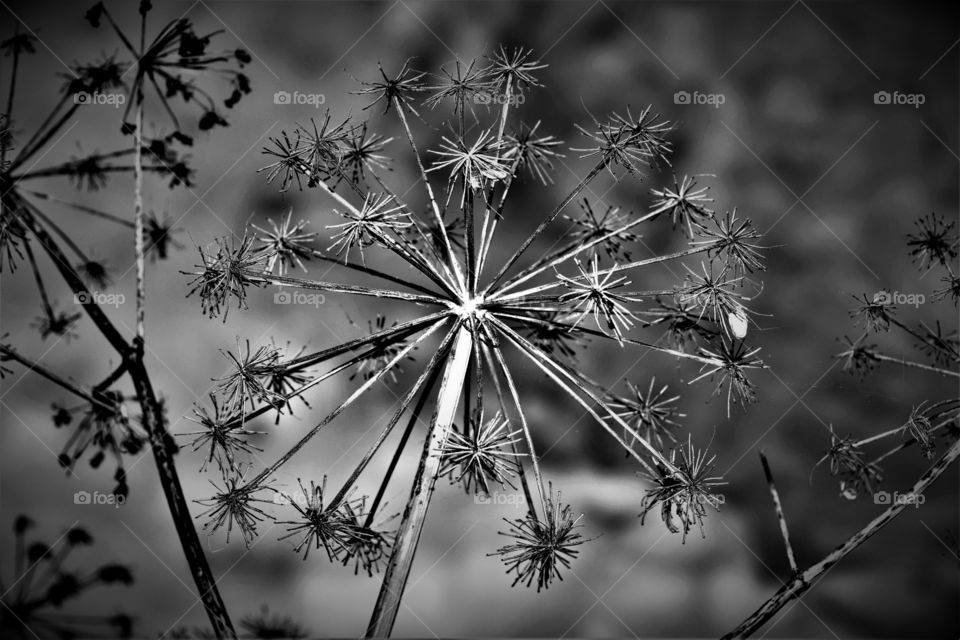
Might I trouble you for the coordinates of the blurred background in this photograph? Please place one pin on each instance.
(799, 145)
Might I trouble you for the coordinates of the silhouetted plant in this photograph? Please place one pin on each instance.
(38, 597)
(174, 65)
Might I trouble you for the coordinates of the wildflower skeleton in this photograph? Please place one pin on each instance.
(477, 315)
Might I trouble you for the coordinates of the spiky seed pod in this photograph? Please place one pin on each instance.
(363, 153)
(400, 88)
(846, 462)
(919, 427)
(515, 66)
(371, 224)
(595, 292)
(533, 152)
(874, 313)
(483, 455)
(652, 413)
(715, 296)
(541, 549)
(858, 358)
(934, 241)
(684, 495)
(234, 506)
(223, 434)
(226, 275)
(591, 225)
(686, 203)
(475, 164)
(246, 384)
(729, 362)
(286, 244)
(321, 525)
(732, 240)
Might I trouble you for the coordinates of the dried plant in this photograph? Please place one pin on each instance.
(45, 583)
(162, 71)
(933, 248)
(931, 425)
(476, 316)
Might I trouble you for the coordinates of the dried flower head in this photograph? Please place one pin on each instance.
(874, 313)
(686, 203)
(920, 428)
(246, 384)
(227, 272)
(286, 244)
(609, 227)
(269, 626)
(651, 413)
(371, 224)
(542, 548)
(596, 292)
(934, 241)
(223, 434)
(733, 240)
(46, 580)
(234, 506)
(729, 361)
(683, 495)
(484, 454)
(846, 462)
(858, 358)
(321, 524)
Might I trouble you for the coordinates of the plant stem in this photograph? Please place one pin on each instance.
(138, 220)
(153, 420)
(917, 365)
(803, 581)
(401, 560)
(778, 507)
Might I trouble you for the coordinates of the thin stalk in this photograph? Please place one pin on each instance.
(418, 386)
(803, 581)
(916, 365)
(39, 369)
(319, 285)
(83, 208)
(13, 86)
(555, 371)
(138, 247)
(534, 458)
(433, 201)
(408, 536)
(543, 225)
(784, 532)
(401, 446)
(576, 248)
(267, 472)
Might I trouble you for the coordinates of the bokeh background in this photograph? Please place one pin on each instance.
(834, 180)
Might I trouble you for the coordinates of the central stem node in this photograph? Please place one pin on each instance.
(470, 307)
